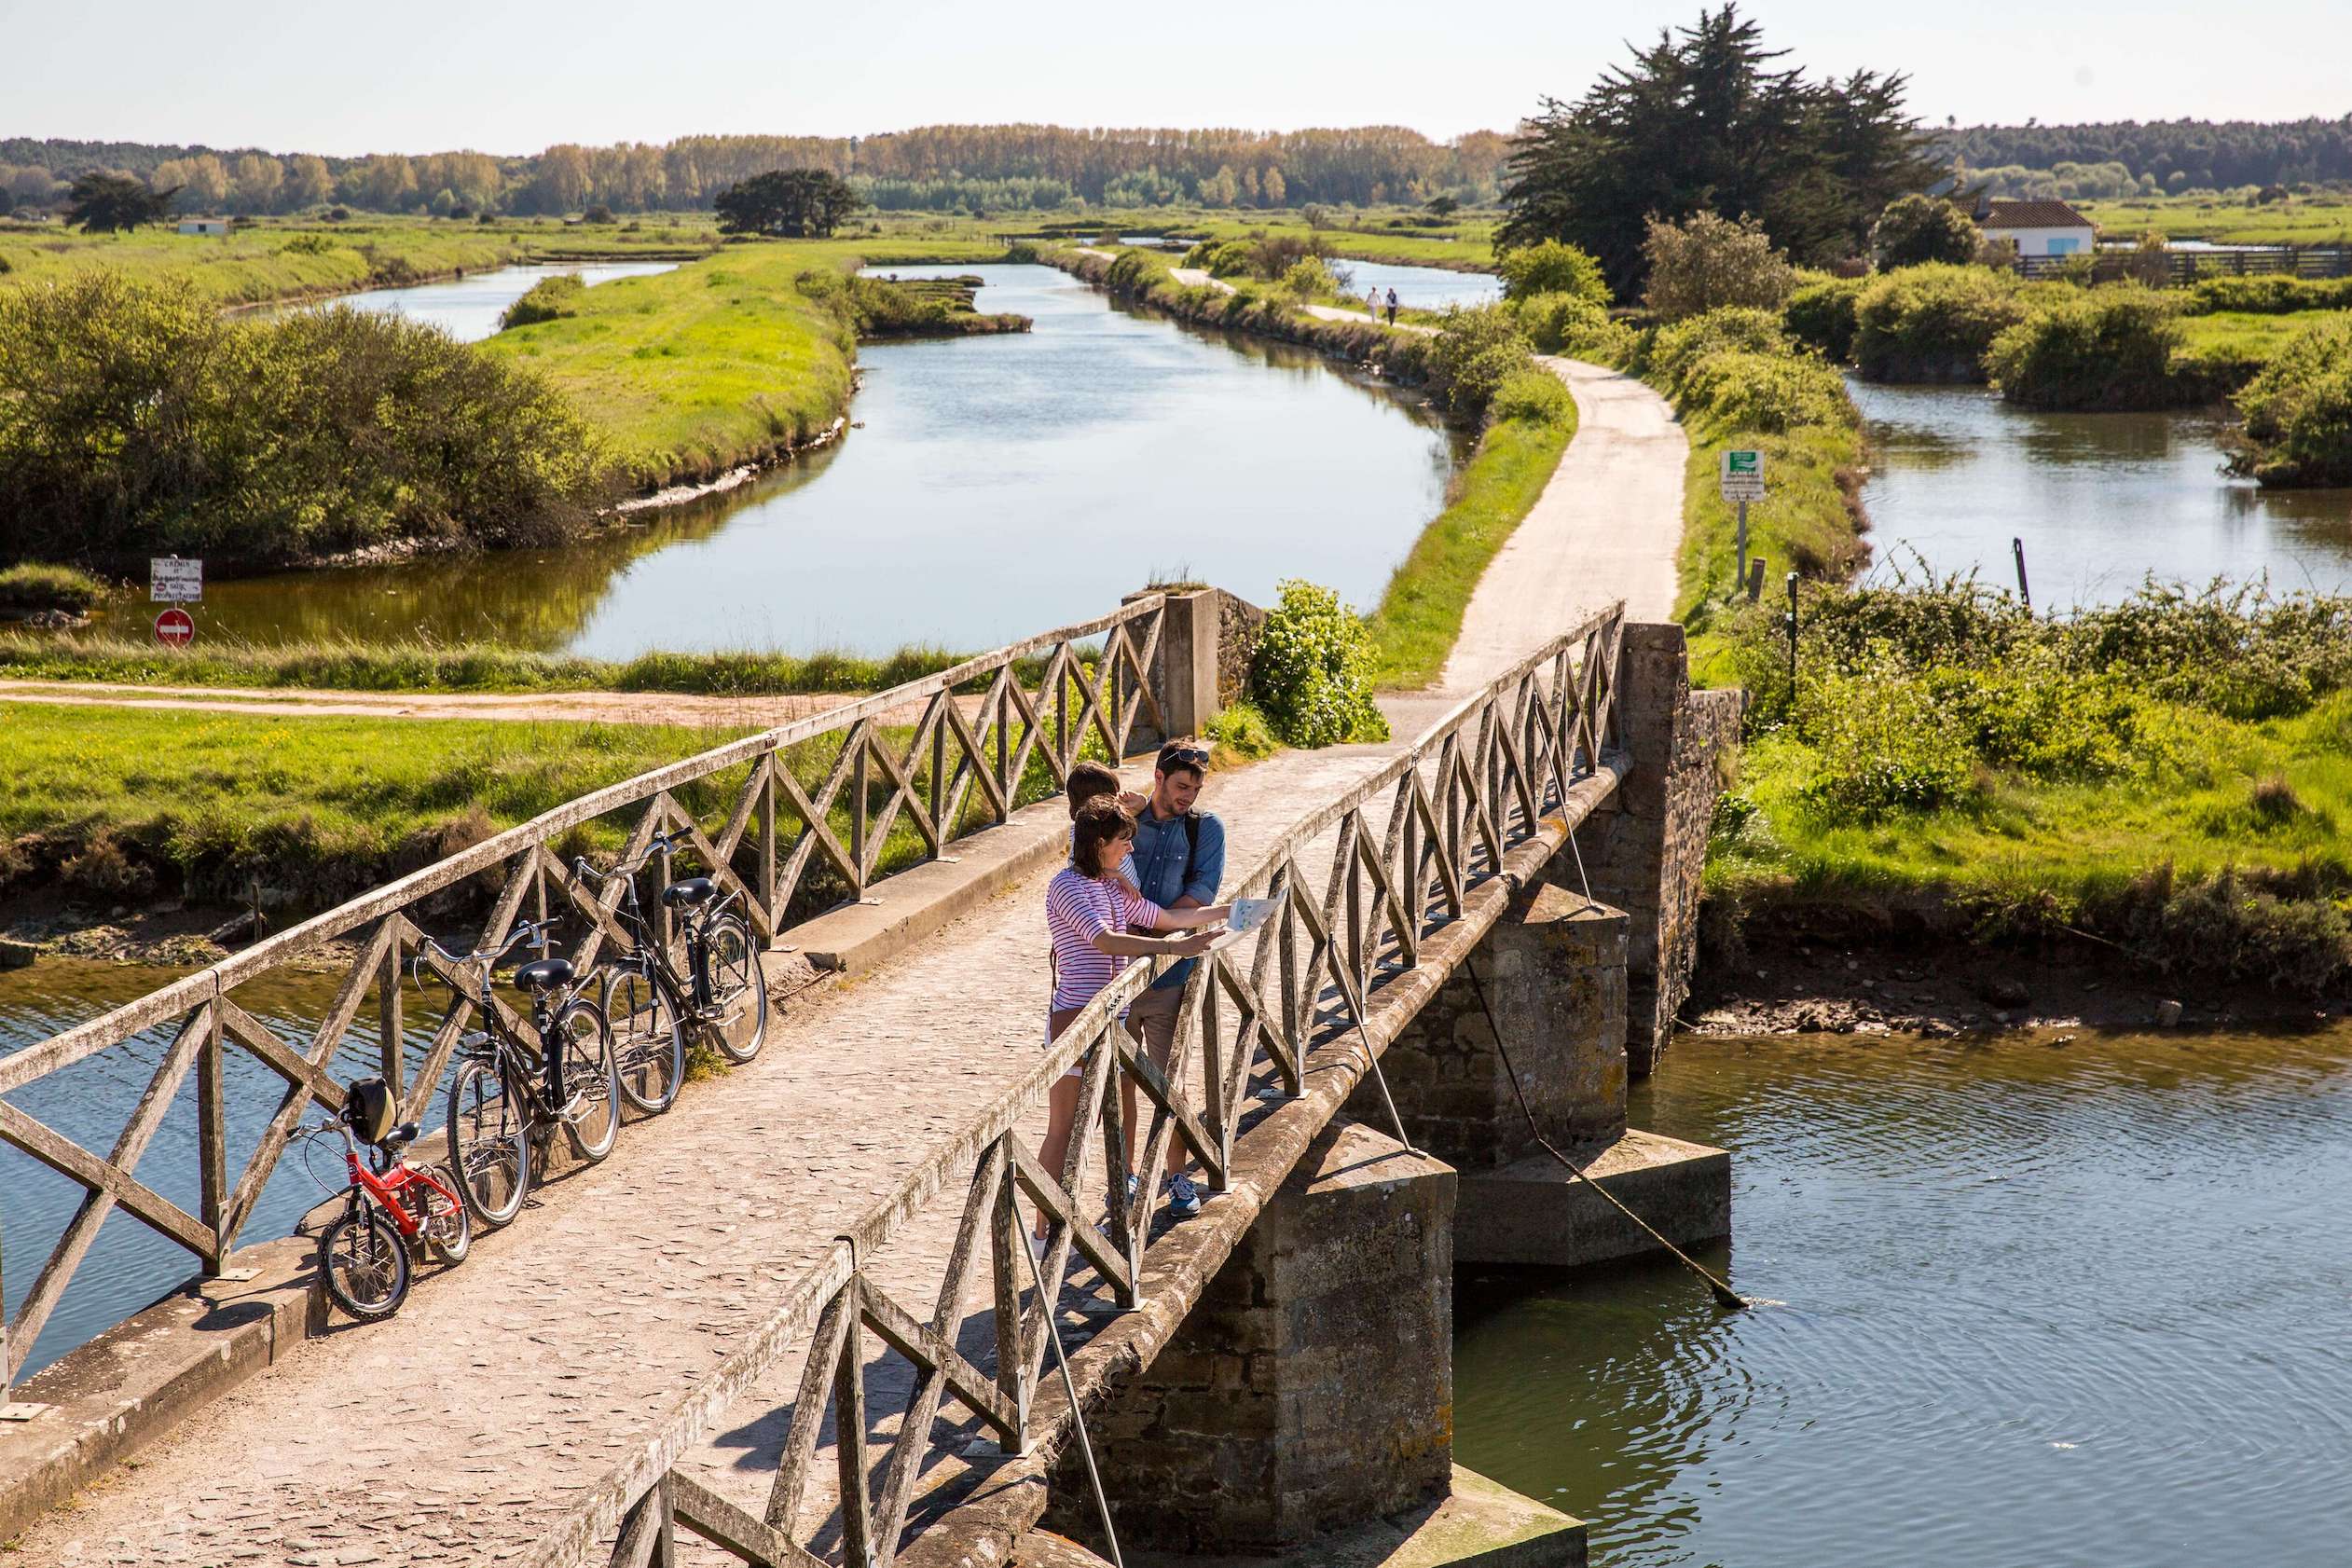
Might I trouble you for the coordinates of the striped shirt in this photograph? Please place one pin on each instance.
(1078, 909)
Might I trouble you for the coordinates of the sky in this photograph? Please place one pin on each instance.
(329, 77)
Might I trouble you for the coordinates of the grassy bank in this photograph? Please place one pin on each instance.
(2324, 219)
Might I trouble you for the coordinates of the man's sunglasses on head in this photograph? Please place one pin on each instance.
(1187, 756)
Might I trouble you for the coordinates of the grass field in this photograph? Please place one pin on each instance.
(2309, 220)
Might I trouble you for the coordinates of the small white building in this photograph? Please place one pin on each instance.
(217, 227)
(2038, 228)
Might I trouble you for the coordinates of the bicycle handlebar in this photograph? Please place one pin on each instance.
(659, 843)
(533, 932)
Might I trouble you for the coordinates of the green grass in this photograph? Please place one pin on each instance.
(2309, 220)
(38, 586)
(721, 362)
(1419, 618)
(1466, 245)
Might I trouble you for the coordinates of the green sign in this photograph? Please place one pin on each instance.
(1742, 475)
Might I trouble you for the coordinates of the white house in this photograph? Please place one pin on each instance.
(2038, 228)
(215, 227)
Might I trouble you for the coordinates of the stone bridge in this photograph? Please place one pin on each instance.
(792, 1320)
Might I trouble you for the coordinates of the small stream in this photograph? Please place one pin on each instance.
(468, 308)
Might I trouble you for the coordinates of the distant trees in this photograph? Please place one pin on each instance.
(1916, 229)
(798, 203)
(1704, 121)
(2170, 154)
(103, 203)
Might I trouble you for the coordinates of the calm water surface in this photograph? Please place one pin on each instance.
(1424, 288)
(2047, 1304)
(998, 486)
(2100, 500)
(468, 308)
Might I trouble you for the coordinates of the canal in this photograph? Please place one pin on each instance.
(1060, 468)
(2099, 500)
(468, 308)
(2043, 1298)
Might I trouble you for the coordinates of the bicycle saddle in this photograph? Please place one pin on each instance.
(398, 1138)
(687, 894)
(545, 974)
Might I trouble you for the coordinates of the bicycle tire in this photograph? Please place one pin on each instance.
(648, 1043)
(592, 1081)
(738, 990)
(448, 1228)
(489, 1142)
(365, 1264)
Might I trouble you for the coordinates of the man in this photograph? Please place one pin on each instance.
(1178, 861)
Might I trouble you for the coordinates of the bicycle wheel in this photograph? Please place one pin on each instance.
(448, 1226)
(489, 1144)
(738, 1019)
(365, 1264)
(591, 1083)
(649, 1046)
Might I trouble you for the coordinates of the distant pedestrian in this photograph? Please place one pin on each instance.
(1372, 303)
(1391, 307)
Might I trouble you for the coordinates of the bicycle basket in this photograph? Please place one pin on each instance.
(367, 1105)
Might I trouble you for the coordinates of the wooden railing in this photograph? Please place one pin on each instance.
(2181, 269)
(960, 768)
(1479, 783)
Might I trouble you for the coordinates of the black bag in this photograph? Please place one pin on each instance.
(367, 1105)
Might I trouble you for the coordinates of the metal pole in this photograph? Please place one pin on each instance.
(2017, 548)
(1045, 1305)
(1792, 627)
(1743, 547)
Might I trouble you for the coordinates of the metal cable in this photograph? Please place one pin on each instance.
(1077, 1412)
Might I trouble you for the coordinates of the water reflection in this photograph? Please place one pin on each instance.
(2100, 500)
(2048, 1302)
(468, 308)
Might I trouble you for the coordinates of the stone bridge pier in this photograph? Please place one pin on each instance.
(1303, 1412)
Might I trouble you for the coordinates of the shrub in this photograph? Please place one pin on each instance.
(2297, 411)
(545, 302)
(598, 213)
(1553, 267)
(308, 244)
(1532, 396)
(1821, 315)
(1765, 392)
(2109, 347)
(1556, 322)
(1708, 262)
(1310, 279)
(33, 586)
(1882, 744)
(2273, 295)
(1932, 322)
(1312, 674)
(1676, 349)
(1472, 354)
(1219, 259)
(1917, 229)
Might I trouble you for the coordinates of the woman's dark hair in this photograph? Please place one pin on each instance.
(1089, 781)
(1099, 820)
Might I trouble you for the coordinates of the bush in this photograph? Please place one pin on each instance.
(1312, 674)
(1557, 322)
(1532, 396)
(33, 586)
(1774, 394)
(1882, 744)
(308, 244)
(1821, 315)
(1219, 259)
(598, 213)
(545, 302)
(1553, 267)
(1310, 279)
(2274, 295)
(134, 419)
(1473, 352)
(2297, 411)
(1708, 263)
(1933, 322)
(1676, 351)
(1916, 229)
(2109, 347)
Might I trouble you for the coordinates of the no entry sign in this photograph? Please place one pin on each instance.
(175, 629)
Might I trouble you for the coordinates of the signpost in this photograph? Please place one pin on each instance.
(1741, 481)
(174, 628)
(173, 580)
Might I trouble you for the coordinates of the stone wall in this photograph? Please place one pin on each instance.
(1239, 625)
(1312, 1385)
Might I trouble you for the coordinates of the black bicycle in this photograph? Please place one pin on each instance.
(506, 1093)
(651, 1001)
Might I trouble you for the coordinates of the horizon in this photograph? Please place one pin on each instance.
(523, 83)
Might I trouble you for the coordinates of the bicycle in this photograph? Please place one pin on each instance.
(502, 1097)
(650, 1002)
(393, 1208)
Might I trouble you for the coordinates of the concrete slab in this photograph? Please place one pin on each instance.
(1481, 1524)
(1535, 1214)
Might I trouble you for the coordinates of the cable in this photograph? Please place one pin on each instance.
(1077, 1412)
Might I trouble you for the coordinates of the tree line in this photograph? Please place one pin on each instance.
(2172, 155)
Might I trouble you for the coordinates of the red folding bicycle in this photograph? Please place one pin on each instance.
(393, 1208)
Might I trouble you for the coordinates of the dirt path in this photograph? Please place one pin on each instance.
(1334, 313)
(1608, 525)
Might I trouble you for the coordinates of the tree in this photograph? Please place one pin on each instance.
(1917, 229)
(1441, 206)
(255, 182)
(798, 203)
(1711, 262)
(102, 203)
(1552, 268)
(1704, 121)
(309, 181)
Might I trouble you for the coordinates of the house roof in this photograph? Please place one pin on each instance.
(2032, 215)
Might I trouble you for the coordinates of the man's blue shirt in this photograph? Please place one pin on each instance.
(1157, 867)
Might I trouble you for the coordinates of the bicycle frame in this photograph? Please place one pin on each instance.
(385, 1188)
(688, 994)
(496, 1043)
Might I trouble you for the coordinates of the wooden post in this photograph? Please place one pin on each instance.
(858, 812)
(388, 1021)
(768, 843)
(212, 1144)
(939, 780)
(1004, 743)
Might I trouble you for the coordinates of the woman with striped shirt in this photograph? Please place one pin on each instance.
(1094, 916)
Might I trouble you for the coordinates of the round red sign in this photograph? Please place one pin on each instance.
(175, 629)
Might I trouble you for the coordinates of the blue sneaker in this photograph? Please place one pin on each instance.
(1184, 1197)
(1133, 1187)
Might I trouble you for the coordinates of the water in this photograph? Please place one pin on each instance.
(2100, 500)
(131, 1266)
(2046, 1303)
(1423, 288)
(1000, 485)
(468, 308)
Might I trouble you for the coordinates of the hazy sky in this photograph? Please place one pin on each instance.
(323, 75)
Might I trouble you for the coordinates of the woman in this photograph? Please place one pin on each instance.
(1092, 912)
